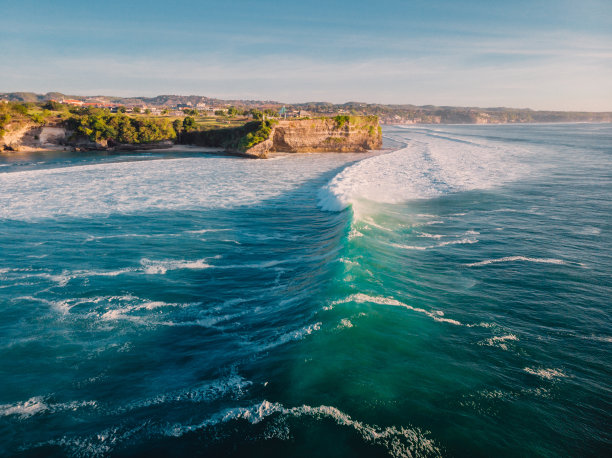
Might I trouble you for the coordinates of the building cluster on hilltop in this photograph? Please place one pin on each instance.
(177, 109)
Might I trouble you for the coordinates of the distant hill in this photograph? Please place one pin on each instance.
(388, 114)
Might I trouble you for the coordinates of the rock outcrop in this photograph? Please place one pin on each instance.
(32, 137)
(340, 134)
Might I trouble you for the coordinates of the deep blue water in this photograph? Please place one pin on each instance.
(450, 298)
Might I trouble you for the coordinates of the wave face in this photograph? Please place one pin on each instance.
(450, 297)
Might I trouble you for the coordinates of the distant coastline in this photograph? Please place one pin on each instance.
(387, 113)
(54, 121)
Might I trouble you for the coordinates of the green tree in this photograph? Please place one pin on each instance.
(53, 106)
(136, 110)
(177, 125)
(189, 124)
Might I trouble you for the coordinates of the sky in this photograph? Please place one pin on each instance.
(541, 54)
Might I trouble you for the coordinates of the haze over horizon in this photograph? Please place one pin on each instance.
(549, 55)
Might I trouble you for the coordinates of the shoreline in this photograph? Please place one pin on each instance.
(179, 149)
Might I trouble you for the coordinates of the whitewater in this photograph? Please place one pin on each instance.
(447, 296)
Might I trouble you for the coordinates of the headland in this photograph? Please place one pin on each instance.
(56, 126)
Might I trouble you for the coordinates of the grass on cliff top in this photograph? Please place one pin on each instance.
(356, 121)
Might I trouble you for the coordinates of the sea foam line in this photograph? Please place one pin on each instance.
(39, 404)
(152, 267)
(398, 441)
(515, 259)
(548, 374)
(438, 245)
(298, 334)
(436, 315)
(232, 385)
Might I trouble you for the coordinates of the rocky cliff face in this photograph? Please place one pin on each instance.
(32, 137)
(341, 134)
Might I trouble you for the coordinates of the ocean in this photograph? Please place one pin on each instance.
(449, 297)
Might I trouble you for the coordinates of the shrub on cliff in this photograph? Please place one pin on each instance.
(341, 120)
(4, 120)
(260, 135)
(238, 138)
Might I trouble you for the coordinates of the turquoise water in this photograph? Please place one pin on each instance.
(450, 298)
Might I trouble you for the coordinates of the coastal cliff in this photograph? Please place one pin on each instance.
(339, 134)
(29, 128)
(258, 138)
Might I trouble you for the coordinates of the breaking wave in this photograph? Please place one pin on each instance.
(398, 441)
(429, 166)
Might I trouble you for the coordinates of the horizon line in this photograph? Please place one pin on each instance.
(235, 98)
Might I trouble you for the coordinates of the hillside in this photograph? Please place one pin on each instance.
(388, 114)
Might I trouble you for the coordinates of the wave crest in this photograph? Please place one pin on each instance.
(428, 167)
(398, 441)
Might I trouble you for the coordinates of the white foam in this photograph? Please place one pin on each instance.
(24, 409)
(516, 259)
(176, 184)
(345, 323)
(598, 338)
(289, 336)
(38, 404)
(112, 309)
(354, 233)
(548, 374)
(436, 315)
(398, 441)
(233, 386)
(371, 222)
(152, 267)
(430, 236)
(437, 245)
(148, 266)
(428, 167)
(500, 341)
(63, 278)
